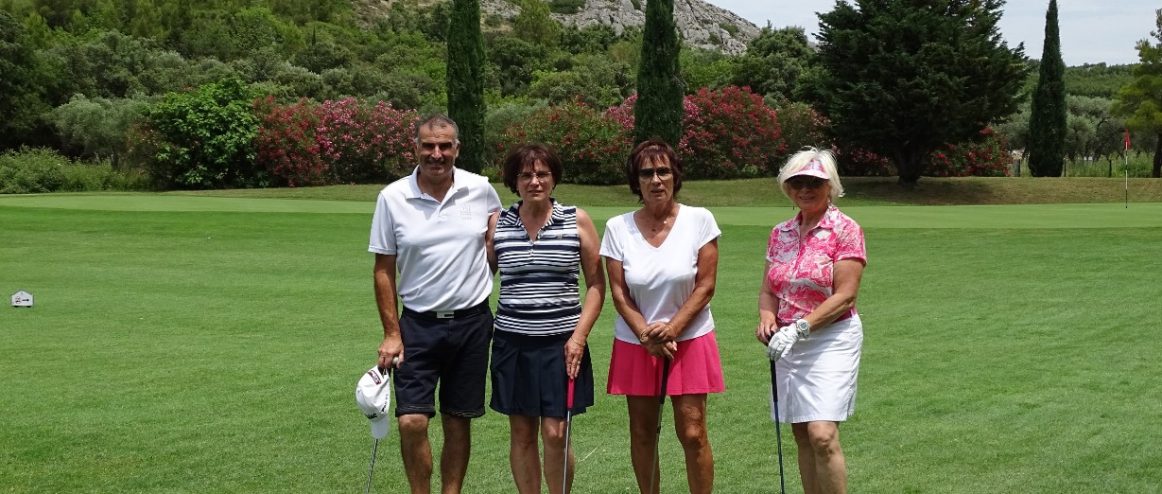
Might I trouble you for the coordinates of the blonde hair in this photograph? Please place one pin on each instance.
(804, 157)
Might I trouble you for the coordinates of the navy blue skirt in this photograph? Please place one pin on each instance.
(529, 378)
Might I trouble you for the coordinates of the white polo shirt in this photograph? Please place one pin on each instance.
(439, 246)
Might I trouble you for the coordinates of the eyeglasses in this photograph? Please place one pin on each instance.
(648, 173)
(528, 176)
(805, 182)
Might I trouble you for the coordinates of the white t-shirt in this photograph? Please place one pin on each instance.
(660, 279)
(439, 246)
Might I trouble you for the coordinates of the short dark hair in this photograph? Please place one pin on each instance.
(652, 151)
(528, 155)
(437, 120)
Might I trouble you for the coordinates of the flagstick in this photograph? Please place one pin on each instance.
(1126, 142)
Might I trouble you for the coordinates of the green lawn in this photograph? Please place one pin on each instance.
(194, 343)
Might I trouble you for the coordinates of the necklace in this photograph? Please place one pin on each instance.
(657, 226)
(646, 221)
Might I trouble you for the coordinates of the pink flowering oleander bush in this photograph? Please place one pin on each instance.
(286, 143)
(336, 141)
(726, 133)
(592, 147)
(986, 157)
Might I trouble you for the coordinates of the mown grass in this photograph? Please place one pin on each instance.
(207, 344)
(870, 191)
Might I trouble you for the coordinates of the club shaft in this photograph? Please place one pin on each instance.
(658, 431)
(778, 428)
(568, 430)
(371, 468)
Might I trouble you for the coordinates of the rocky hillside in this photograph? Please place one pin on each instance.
(701, 24)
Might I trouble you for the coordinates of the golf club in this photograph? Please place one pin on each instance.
(371, 469)
(778, 428)
(568, 428)
(375, 445)
(658, 433)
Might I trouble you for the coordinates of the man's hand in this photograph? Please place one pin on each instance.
(390, 352)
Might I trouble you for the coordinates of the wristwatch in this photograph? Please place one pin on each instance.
(803, 327)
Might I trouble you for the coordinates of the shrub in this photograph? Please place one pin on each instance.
(339, 141)
(364, 143)
(732, 134)
(96, 126)
(802, 126)
(726, 133)
(859, 162)
(499, 118)
(32, 170)
(591, 146)
(35, 170)
(285, 144)
(204, 138)
(986, 157)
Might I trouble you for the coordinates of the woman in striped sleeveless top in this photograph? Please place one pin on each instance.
(539, 348)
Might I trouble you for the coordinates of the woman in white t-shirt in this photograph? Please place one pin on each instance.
(662, 261)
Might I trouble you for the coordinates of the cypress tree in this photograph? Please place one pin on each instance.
(1047, 119)
(466, 81)
(658, 111)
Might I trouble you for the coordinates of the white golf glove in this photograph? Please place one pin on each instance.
(780, 342)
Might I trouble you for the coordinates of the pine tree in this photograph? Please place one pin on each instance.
(466, 81)
(905, 77)
(1047, 119)
(658, 111)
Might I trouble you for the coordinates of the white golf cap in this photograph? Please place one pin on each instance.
(373, 395)
(814, 168)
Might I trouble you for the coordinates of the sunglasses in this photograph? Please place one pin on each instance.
(528, 176)
(805, 182)
(648, 173)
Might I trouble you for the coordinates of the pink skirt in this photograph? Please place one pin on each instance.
(695, 369)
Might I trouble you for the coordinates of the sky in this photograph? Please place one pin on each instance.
(1092, 31)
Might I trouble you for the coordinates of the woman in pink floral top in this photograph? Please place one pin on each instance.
(808, 320)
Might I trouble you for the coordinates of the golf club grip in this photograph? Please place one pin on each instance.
(665, 380)
(569, 395)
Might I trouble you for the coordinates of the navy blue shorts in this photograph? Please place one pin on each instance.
(529, 377)
(452, 352)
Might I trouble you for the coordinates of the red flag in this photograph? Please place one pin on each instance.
(1126, 139)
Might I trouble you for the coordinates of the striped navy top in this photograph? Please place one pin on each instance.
(538, 279)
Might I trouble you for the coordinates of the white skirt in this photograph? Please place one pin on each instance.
(817, 379)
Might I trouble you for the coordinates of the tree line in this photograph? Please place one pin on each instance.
(91, 78)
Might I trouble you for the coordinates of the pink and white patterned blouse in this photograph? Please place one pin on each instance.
(801, 273)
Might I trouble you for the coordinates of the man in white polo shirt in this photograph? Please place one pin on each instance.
(431, 226)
